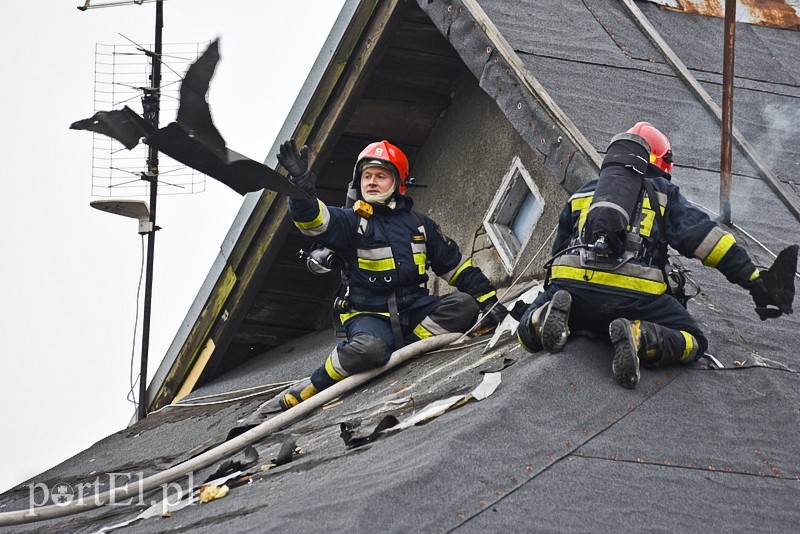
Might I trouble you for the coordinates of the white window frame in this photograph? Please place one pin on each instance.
(501, 214)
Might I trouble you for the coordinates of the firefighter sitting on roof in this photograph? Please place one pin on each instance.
(386, 248)
(607, 271)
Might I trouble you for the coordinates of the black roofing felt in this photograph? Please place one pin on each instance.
(559, 446)
(602, 70)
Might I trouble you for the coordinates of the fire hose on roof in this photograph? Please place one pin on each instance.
(230, 447)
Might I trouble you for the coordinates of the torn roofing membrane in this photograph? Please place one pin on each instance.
(558, 446)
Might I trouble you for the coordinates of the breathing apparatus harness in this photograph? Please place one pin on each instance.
(611, 236)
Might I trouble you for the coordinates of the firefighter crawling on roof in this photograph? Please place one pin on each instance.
(386, 248)
(607, 273)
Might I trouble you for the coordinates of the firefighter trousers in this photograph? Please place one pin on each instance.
(370, 341)
(672, 330)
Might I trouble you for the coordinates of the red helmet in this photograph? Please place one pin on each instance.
(660, 147)
(384, 152)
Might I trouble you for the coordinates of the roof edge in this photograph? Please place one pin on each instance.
(179, 359)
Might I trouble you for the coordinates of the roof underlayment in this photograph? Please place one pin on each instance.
(559, 446)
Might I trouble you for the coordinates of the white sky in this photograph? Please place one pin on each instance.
(70, 273)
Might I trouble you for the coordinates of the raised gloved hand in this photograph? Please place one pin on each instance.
(296, 163)
(493, 312)
(773, 290)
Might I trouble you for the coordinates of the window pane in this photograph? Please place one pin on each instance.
(526, 217)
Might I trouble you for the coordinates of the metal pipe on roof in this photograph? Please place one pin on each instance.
(279, 421)
(725, 178)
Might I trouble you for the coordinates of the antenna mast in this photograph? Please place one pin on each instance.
(150, 105)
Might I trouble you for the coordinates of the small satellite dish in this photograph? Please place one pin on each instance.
(136, 209)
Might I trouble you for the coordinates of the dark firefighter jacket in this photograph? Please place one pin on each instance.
(388, 252)
(688, 230)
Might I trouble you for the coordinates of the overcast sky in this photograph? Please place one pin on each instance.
(70, 273)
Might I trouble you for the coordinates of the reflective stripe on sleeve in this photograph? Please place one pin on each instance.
(318, 225)
(486, 296)
(714, 246)
(452, 276)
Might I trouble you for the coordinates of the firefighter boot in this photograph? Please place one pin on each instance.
(648, 344)
(555, 322)
(626, 337)
(296, 394)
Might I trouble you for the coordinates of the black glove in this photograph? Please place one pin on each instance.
(493, 312)
(296, 162)
(773, 290)
(763, 300)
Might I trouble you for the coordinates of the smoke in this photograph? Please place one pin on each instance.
(776, 144)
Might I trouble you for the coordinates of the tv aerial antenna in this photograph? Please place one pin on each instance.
(124, 77)
(119, 74)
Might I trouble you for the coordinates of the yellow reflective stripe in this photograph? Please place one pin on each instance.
(422, 332)
(581, 204)
(331, 371)
(487, 296)
(648, 217)
(319, 224)
(376, 265)
(420, 259)
(754, 275)
(309, 391)
(662, 200)
(608, 279)
(459, 269)
(689, 346)
(344, 317)
(720, 249)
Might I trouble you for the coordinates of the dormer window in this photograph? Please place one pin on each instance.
(513, 215)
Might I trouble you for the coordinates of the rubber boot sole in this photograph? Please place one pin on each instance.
(555, 326)
(626, 360)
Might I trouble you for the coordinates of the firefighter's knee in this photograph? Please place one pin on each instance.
(465, 312)
(363, 352)
(457, 312)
